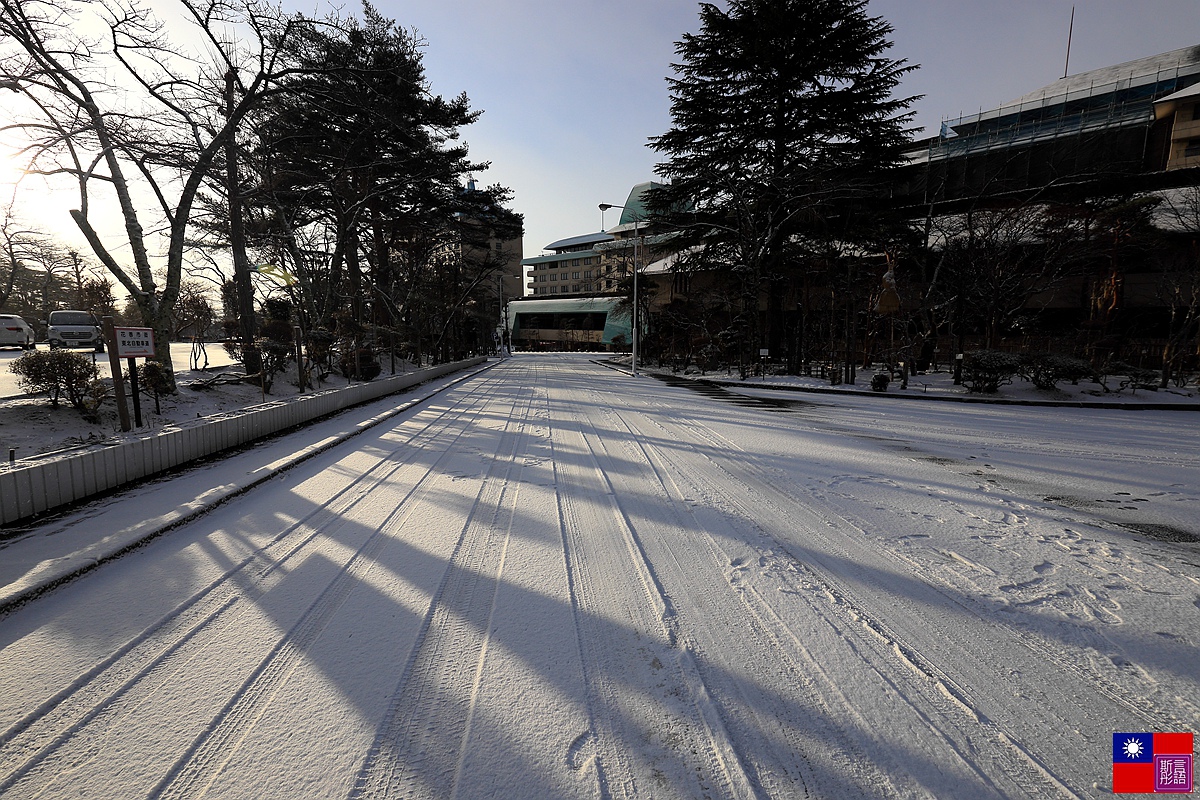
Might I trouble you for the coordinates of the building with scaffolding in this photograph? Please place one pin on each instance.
(1125, 128)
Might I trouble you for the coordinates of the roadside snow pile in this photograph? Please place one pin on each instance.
(941, 384)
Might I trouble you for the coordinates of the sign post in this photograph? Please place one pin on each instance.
(118, 378)
(132, 344)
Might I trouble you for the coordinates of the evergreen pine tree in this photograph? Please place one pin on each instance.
(784, 125)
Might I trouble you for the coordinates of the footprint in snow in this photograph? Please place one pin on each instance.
(1020, 587)
(1046, 568)
(581, 750)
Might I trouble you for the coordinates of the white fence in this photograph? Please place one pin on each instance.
(27, 490)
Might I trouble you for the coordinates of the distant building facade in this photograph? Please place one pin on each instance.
(576, 290)
(572, 268)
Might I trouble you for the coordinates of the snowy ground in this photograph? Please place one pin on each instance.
(554, 580)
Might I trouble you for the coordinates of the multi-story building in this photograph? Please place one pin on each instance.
(577, 291)
(573, 267)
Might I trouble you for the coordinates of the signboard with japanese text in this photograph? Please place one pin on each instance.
(134, 342)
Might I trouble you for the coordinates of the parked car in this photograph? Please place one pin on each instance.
(15, 332)
(74, 329)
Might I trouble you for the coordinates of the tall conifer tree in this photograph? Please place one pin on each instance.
(784, 123)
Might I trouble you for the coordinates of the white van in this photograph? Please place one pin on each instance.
(74, 329)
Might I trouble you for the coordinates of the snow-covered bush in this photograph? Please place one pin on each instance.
(1134, 378)
(155, 379)
(985, 371)
(880, 381)
(1047, 370)
(56, 373)
(360, 364)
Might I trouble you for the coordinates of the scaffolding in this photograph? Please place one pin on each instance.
(1068, 107)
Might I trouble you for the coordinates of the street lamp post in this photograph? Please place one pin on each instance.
(636, 223)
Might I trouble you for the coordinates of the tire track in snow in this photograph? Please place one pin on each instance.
(419, 748)
(658, 733)
(47, 733)
(958, 719)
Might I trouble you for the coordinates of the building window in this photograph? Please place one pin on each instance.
(608, 284)
(575, 275)
(575, 288)
(1193, 149)
(553, 290)
(587, 273)
(554, 276)
(575, 262)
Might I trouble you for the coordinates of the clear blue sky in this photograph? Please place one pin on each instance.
(572, 90)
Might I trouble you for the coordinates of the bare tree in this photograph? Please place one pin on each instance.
(133, 117)
(194, 313)
(994, 262)
(14, 240)
(38, 274)
(1179, 284)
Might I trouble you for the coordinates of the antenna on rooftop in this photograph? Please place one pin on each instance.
(1070, 33)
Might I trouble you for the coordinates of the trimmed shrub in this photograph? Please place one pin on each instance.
(1046, 370)
(56, 373)
(1135, 377)
(320, 347)
(155, 380)
(275, 343)
(880, 381)
(275, 356)
(985, 371)
(367, 366)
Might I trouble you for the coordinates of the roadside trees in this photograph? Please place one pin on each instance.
(993, 263)
(361, 186)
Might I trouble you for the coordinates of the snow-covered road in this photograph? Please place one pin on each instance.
(554, 580)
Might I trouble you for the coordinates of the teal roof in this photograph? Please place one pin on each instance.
(575, 241)
(552, 258)
(564, 305)
(635, 204)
